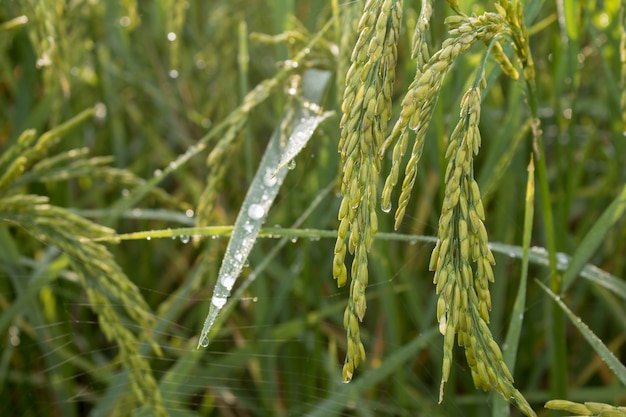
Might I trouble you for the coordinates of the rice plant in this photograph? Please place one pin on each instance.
(242, 208)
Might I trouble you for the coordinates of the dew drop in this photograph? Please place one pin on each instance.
(101, 111)
(248, 227)
(189, 213)
(256, 211)
(218, 301)
(292, 164)
(294, 239)
(173, 73)
(269, 179)
(386, 207)
(442, 325)
(148, 238)
(228, 281)
(204, 341)
(171, 36)
(157, 172)
(185, 238)
(125, 21)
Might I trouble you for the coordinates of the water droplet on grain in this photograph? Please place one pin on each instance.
(386, 207)
(204, 341)
(256, 211)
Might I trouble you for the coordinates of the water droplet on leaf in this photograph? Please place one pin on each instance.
(256, 211)
(218, 301)
(228, 281)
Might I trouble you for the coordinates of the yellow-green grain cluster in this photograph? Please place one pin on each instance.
(104, 282)
(420, 51)
(347, 35)
(366, 110)
(462, 262)
(419, 102)
(587, 409)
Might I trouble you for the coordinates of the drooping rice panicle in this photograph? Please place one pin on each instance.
(462, 262)
(420, 51)
(587, 409)
(419, 102)
(366, 110)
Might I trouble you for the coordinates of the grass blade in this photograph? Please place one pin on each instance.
(594, 238)
(500, 405)
(256, 205)
(606, 355)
